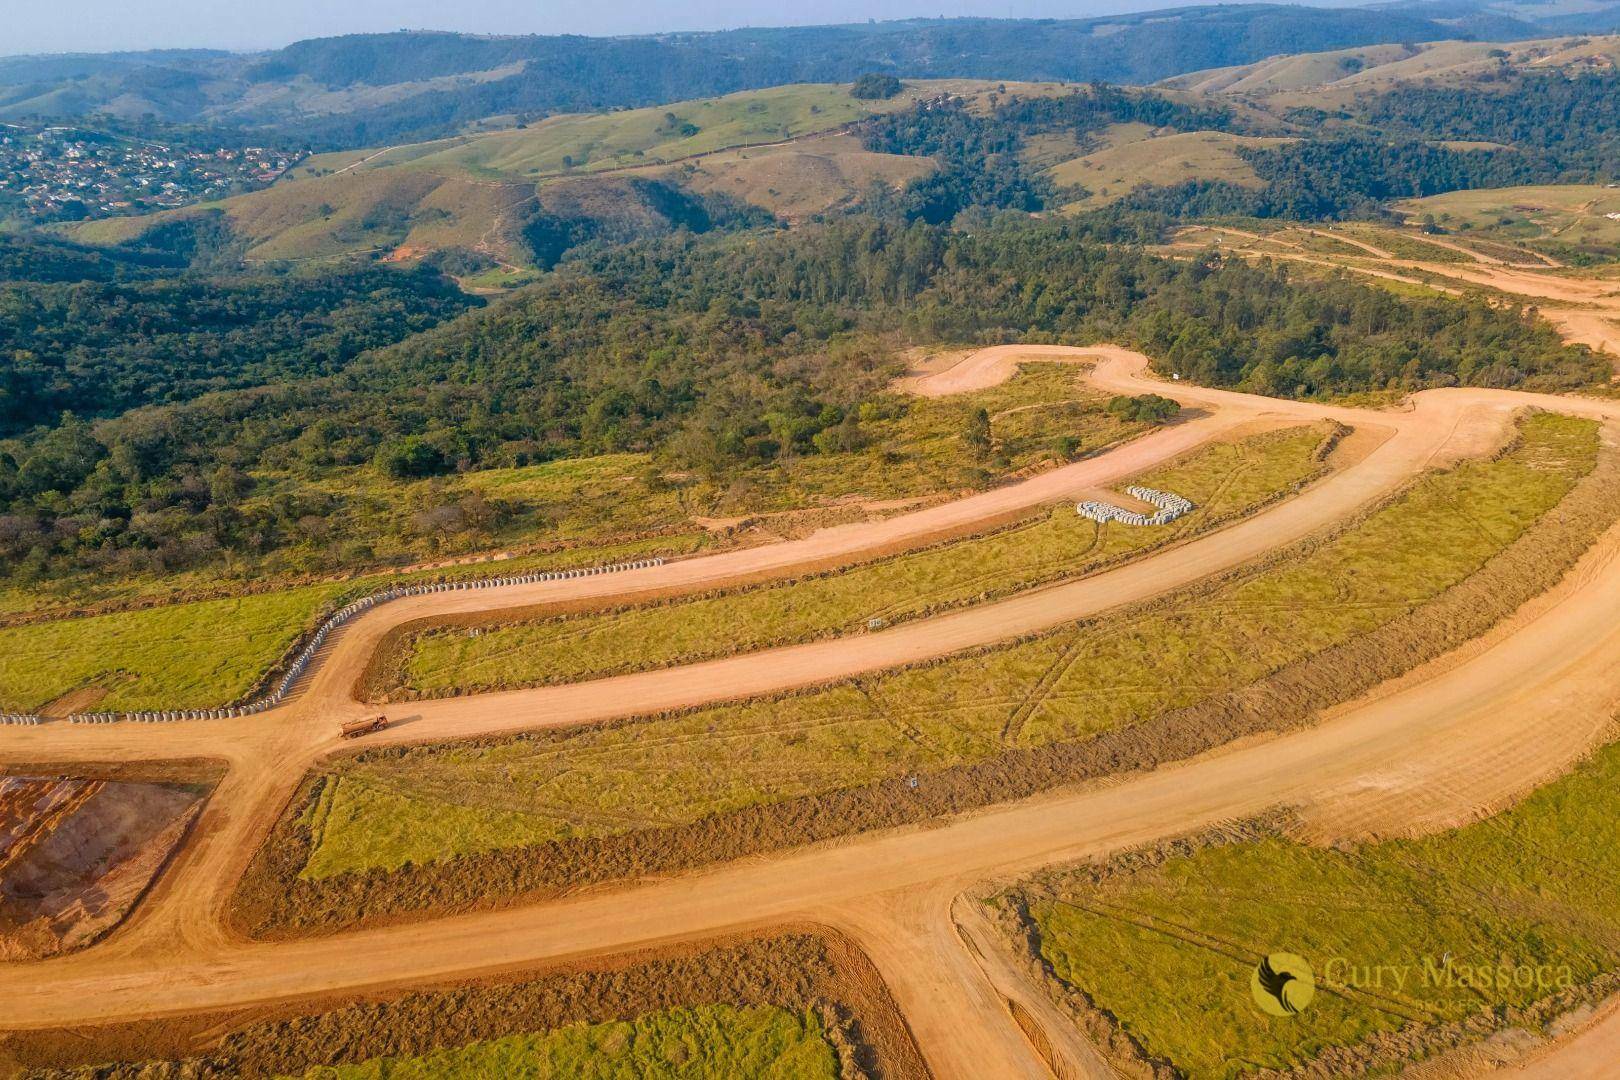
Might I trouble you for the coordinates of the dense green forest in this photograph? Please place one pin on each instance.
(44, 259)
(980, 154)
(98, 348)
(722, 354)
(1572, 121)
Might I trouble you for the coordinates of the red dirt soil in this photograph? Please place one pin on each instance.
(76, 855)
(1521, 708)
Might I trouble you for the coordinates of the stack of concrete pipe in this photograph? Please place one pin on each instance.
(1170, 507)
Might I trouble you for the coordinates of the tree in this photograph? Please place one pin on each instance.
(410, 458)
(1144, 408)
(875, 86)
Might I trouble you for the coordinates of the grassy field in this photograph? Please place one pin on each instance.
(1114, 172)
(1104, 674)
(211, 652)
(706, 1041)
(464, 192)
(150, 658)
(806, 177)
(1169, 950)
(1556, 218)
(595, 141)
(1221, 480)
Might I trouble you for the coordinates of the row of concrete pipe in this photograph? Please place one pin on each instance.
(300, 663)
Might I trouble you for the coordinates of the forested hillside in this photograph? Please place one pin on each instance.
(324, 93)
(98, 348)
(722, 355)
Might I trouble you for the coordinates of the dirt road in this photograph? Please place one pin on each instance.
(1493, 718)
(1557, 674)
(1586, 311)
(1589, 1052)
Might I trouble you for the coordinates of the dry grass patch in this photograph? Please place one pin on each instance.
(208, 653)
(1112, 173)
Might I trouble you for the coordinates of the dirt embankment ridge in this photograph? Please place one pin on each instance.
(797, 967)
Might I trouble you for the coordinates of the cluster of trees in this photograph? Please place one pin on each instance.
(98, 348)
(721, 353)
(981, 166)
(1570, 121)
(875, 86)
(616, 210)
(1144, 408)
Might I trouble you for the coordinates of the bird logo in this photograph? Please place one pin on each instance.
(1283, 984)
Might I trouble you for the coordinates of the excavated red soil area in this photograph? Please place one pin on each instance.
(76, 855)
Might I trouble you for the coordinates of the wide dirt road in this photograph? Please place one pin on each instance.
(1496, 717)
(1557, 676)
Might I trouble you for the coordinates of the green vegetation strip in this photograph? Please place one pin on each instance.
(213, 652)
(207, 653)
(1222, 480)
(697, 1043)
(422, 805)
(1501, 921)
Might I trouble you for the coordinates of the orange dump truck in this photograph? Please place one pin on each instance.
(356, 728)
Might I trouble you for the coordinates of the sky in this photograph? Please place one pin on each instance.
(32, 26)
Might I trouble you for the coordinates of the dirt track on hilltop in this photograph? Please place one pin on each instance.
(1484, 722)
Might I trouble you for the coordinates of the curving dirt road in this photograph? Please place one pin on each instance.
(1585, 311)
(1481, 724)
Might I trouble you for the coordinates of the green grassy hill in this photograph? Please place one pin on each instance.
(596, 141)
(477, 193)
(1558, 218)
(1150, 158)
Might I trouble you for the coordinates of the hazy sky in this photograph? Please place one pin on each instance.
(37, 26)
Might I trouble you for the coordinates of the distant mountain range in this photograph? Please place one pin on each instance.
(373, 89)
